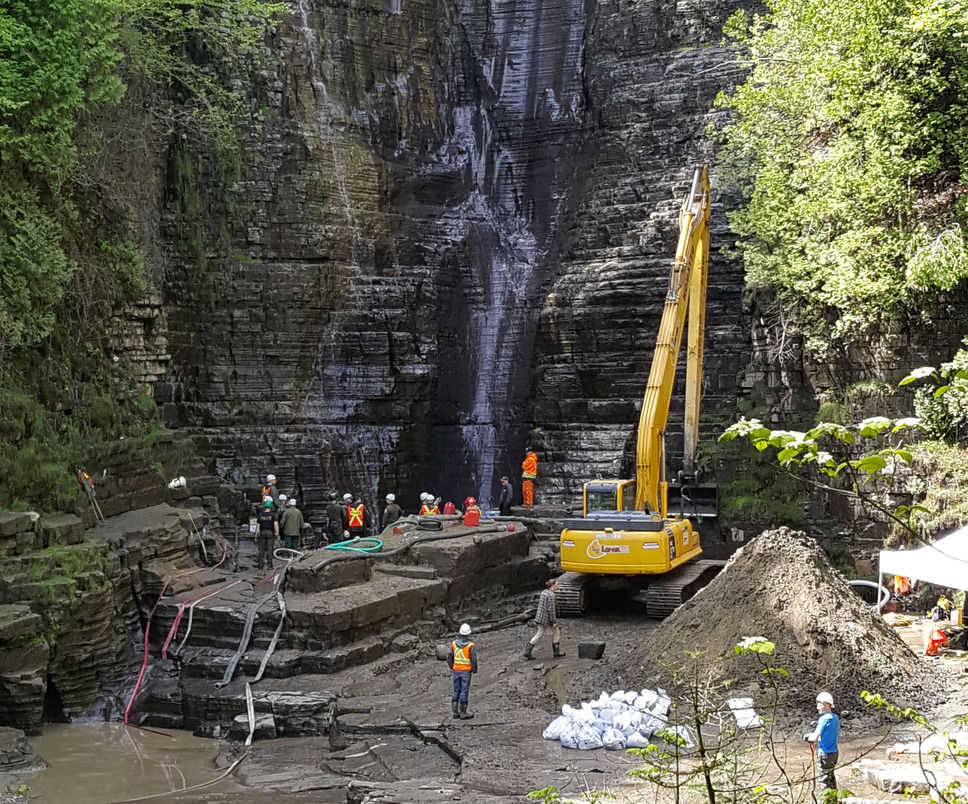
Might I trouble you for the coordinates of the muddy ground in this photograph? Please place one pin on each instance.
(398, 742)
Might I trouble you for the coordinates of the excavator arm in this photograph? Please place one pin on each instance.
(686, 298)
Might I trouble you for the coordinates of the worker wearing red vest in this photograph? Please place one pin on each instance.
(357, 518)
(463, 662)
(529, 473)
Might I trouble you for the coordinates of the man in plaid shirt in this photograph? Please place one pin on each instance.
(546, 618)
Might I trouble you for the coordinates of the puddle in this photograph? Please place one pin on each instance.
(94, 763)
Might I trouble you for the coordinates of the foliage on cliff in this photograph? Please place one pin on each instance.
(69, 254)
(849, 148)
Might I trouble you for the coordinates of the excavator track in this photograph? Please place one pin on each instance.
(666, 593)
(570, 597)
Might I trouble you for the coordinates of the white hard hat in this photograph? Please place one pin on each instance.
(465, 630)
(424, 496)
(283, 498)
(292, 501)
(825, 697)
(391, 497)
(270, 478)
(347, 496)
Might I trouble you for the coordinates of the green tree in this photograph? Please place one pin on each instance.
(848, 145)
(57, 61)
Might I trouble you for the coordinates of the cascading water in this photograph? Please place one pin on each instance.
(326, 110)
(495, 234)
(532, 67)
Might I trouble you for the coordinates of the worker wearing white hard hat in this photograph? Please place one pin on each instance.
(291, 524)
(270, 492)
(463, 663)
(825, 736)
(391, 513)
(428, 507)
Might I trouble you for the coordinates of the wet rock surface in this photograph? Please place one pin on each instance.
(450, 248)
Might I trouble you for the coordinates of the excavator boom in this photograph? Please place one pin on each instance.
(626, 535)
(686, 294)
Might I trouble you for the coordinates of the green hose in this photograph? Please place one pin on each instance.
(356, 545)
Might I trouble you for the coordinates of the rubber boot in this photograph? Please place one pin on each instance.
(453, 706)
(556, 650)
(529, 651)
(464, 715)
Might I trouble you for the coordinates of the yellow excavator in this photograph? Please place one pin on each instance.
(627, 535)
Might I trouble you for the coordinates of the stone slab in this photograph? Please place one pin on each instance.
(18, 621)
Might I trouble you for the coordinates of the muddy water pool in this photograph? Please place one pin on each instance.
(96, 763)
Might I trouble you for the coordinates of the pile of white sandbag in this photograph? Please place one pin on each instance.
(617, 721)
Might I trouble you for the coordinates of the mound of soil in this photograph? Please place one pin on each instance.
(780, 586)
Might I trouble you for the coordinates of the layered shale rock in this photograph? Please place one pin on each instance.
(430, 179)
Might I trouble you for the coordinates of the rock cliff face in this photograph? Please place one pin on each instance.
(432, 178)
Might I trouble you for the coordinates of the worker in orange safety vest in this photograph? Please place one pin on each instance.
(529, 473)
(463, 662)
(357, 518)
(428, 506)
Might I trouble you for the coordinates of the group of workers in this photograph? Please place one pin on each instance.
(351, 519)
(270, 525)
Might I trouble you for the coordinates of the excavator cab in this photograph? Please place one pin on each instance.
(609, 495)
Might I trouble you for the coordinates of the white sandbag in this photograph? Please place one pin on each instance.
(607, 715)
(588, 739)
(622, 723)
(603, 699)
(648, 698)
(742, 709)
(630, 697)
(613, 740)
(583, 715)
(617, 706)
(641, 703)
(680, 732)
(569, 735)
(599, 725)
(650, 723)
(661, 706)
(555, 728)
(636, 740)
(618, 695)
(567, 711)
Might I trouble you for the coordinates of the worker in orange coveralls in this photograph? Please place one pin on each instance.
(529, 473)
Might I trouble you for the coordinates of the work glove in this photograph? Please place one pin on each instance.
(808, 737)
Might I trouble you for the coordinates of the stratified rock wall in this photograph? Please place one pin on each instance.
(430, 177)
(656, 73)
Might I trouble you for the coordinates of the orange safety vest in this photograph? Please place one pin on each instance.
(462, 656)
(529, 467)
(355, 516)
(429, 510)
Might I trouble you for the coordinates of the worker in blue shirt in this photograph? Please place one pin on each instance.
(825, 736)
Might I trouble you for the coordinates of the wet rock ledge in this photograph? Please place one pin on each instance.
(342, 609)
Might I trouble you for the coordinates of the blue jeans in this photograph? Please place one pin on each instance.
(462, 685)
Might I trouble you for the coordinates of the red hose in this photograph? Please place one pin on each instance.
(144, 663)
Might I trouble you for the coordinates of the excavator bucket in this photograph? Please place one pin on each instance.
(696, 501)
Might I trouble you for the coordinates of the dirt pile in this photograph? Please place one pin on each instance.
(780, 586)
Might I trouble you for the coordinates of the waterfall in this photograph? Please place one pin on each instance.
(326, 110)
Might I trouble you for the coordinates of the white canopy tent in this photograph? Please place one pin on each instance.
(945, 562)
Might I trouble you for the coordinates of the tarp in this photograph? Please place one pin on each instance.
(944, 562)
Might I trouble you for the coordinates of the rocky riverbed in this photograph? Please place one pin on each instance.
(355, 706)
